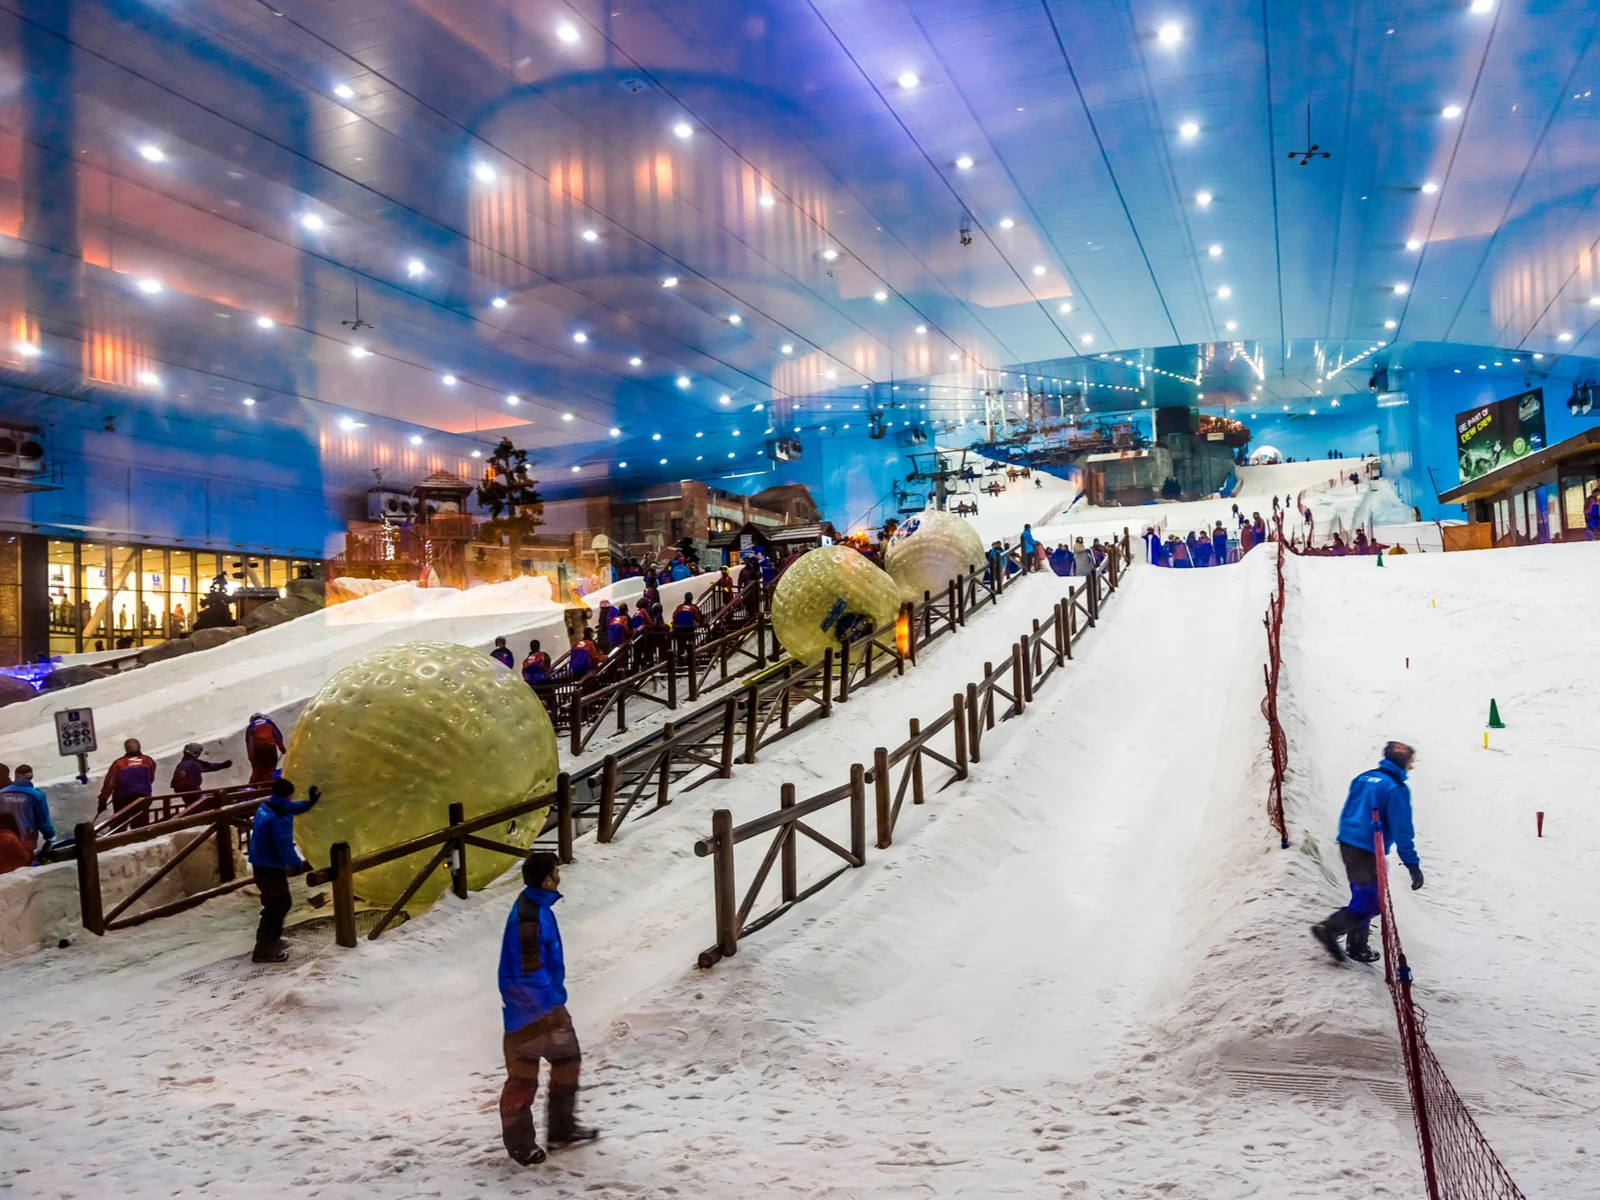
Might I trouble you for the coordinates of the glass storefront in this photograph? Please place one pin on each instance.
(106, 596)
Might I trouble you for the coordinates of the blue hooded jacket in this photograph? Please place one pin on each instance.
(533, 970)
(1028, 542)
(31, 810)
(272, 834)
(1382, 788)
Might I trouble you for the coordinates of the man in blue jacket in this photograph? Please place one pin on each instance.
(1381, 791)
(533, 998)
(29, 809)
(272, 857)
(1030, 544)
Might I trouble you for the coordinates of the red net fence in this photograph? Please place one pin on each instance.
(1457, 1160)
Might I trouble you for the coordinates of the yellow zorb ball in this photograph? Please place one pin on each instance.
(396, 737)
(829, 596)
(929, 550)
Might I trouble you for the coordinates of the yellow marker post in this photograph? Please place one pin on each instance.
(1485, 739)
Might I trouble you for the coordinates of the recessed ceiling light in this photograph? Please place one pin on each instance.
(1039, 269)
(1594, 301)
(415, 267)
(450, 380)
(735, 319)
(964, 163)
(1414, 244)
(701, 433)
(1451, 112)
(590, 235)
(636, 361)
(954, 357)
(1563, 337)
(360, 352)
(347, 423)
(28, 350)
(1389, 324)
(248, 401)
(655, 437)
(683, 129)
(757, 408)
(416, 439)
(580, 337)
(1481, 6)
(499, 302)
(1334, 403)
(1189, 129)
(566, 416)
(477, 454)
(313, 223)
(1203, 199)
(683, 381)
(484, 173)
(1170, 34)
(1430, 187)
(830, 254)
(1006, 223)
(344, 91)
(149, 379)
(767, 201)
(1066, 308)
(1400, 289)
(1538, 356)
(880, 297)
(150, 152)
(513, 400)
(1224, 291)
(922, 329)
(1481, 367)
(567, 32)
(1087, 339)
(1233, 324)
(265, 322)
(670, 281)
(576, 469)
(622, 464)
(786, 348)
(832, 374)
(735, 433)
(615, 432)
(663, 462)
(1215, 250)
(908, 79)
(149, 286)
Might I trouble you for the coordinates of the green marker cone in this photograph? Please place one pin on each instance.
(1494, 716)
(1380, 558)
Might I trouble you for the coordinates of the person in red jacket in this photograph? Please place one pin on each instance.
(584, 656)
(263, 743)
(132, 777)
(187, 775)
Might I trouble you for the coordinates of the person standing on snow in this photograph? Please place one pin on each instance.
(536, 667)
(132, 777)
(263, 743)
(1219, 545)
(1030, 546)
(272, 856)
(533, 999)
(1381, 791)
(502, 653)
(186, 776)
(24, 803)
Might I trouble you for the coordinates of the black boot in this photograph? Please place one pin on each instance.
(564, 1128)
(1329, 940)
(1358, 950)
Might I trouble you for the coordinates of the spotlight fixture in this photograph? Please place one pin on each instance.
(484, 173)
(265, 322)
(416, 268)
(1413, 243)
(1170, 34)
(683, 129)
(908, 80)
(567, 33)
(150, 152)
(1203, 199)
(1451, 112)
(964, 163)
(1189, 130)
(1430, 187)
(344, 91)
(590, 235)
(499, 302)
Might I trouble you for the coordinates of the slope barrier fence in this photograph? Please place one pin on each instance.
(1457, 1161)
(1004, 692)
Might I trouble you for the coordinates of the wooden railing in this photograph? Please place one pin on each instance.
(1034, 657)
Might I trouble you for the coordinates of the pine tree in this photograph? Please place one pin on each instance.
(510, 495)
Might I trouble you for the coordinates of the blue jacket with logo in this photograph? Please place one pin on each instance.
(533, 970)
(272, 834)
(26, 803)
(1382, 788)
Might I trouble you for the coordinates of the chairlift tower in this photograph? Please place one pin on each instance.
(994, 416)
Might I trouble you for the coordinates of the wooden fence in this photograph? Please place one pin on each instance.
(1044, 649)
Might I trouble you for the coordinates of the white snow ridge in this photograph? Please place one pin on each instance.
(1085, 972)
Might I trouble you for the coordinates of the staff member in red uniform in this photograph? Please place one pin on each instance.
(132, 777)
(263, 743)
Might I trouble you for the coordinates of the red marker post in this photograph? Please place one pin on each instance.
(1539, 822)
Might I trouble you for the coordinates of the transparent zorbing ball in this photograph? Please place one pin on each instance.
(396, 737)
(829, 596)
(930, 549)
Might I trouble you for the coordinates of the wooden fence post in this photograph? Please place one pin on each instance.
(961, 602)
(667, 733)
(1060, 633)
(692, 668)
(880, 795)
(577, 719)
(752, 705)
(974, 733)
(844, 671)
(761, 641)
(344, 896)
(958, 706)
(608, 798)
(1036, 655)
(950, 593)
(226, 870)
(458, 853)
(916, 764)
(827, 682)
(1018, 676)
(787, 867)
(858, 813)
(722, 881)
(730, 721)
(89, 900)
(672, 677)
(1093, 584)
(564, 813)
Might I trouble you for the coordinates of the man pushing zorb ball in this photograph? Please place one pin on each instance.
(929, 550)
(829, 596)
(398, 736)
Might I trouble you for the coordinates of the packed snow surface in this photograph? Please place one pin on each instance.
(1084, 972)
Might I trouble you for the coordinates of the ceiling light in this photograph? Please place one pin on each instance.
(1389, 324)
(1215, 250)
(347, 423)
(590, 235)
(1594, 301)
(786, 348)
(415, 268)
(670, 281)
(1334, 403)
(880, 297)
(566, 33)
(450, 380)
(149, 379)
(735, 319)
(615, 432)
(1400, 289)
(832, 374)
(830, 254)
(1066, 308)
(683, 129)
(499, 302)
(922, 329)
(735, 433)
(622, 464)
(1430, 187)
(1451, 112)
(576, 469)
(416, 439)
(1170, 34)
(683, 381)
(663, 462)
(150, 152)
(701, 433)
(1563, 337)
(725, 399)
(28, 350)
(636, 361)
(149, 286)
(1538, 356)
(265, 322)
(655, 437)
(477, 454)
(1481, 6)
(513, 400)
(953, 357)
(1087, 339)
(566, 416)
(1189, 129)
(964, 163)
(359, 352)
(1203, 199)
(767, 201)
(484, 173)
(757, 408)
(1224, 291)
(1233, 325)
(1039, 270)
(908, 79)
(1313, 412)
(1006, 223)
(344, 91)
(580, 337)
(1414, 244)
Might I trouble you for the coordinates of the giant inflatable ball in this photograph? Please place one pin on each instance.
(396, 737)
(929, 550)
(829, 596)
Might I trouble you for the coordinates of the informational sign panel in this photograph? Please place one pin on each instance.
(1498, 433)
(75, 732)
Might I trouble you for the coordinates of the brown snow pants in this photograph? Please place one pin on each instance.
(553, 1039)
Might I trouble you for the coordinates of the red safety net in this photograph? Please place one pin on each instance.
(1457, 1160)
(1276, 741)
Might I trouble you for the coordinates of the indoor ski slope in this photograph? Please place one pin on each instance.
(1085, 972)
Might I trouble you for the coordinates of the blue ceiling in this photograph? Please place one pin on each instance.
(690, 217)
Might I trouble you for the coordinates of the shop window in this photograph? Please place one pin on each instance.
(67, 611)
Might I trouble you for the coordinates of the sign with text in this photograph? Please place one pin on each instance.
(75, 731)
(1499, 433)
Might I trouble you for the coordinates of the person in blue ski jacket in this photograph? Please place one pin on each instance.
(536, 667)
(1219, 545)
(1381, 791)
(272, 857)
(533, 1002)
(26, 804)
(1030, 547)
(502, 653)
